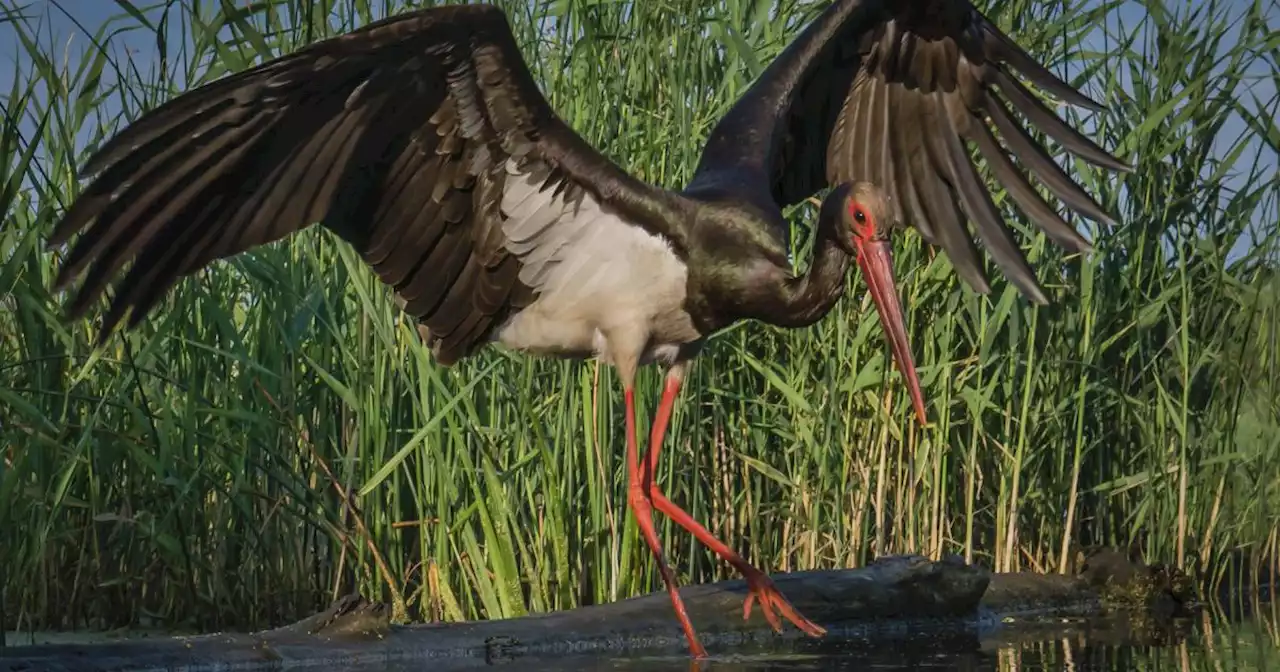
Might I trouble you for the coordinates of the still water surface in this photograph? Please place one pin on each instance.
(1246, 640)
(1208, 642)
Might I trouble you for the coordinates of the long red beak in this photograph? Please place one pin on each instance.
(875, 258)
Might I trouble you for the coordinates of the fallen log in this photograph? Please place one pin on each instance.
(891, 598)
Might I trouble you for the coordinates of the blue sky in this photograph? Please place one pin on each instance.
(57, 22)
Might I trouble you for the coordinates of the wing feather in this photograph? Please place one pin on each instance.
(897, 93)
(934, 176)
(975, 200)
(412, 138)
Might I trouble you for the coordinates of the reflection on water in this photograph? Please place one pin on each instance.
(1210, 642)
(1245, 640)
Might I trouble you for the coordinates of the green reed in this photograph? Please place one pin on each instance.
(276, 434)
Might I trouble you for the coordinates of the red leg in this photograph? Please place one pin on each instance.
(758, 583)
(642, 508)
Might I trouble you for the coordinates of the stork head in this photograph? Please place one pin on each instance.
(867, 216)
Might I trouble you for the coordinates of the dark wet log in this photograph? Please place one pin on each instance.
(886, 599)
(1027, 592)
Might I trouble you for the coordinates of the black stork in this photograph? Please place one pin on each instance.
(424, 142)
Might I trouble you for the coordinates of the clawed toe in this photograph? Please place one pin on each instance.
(772, 601)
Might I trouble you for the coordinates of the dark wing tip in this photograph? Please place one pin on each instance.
(73, 219)
(1015, 56)
(103, 155)
(1021, 276)
(1121, 166)
(1010, 52)
(1077, 97)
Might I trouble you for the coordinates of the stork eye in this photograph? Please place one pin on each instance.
(863, 224)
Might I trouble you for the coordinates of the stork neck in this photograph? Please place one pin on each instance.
(807, 298)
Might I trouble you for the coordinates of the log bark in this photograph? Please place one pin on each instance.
(890, 597)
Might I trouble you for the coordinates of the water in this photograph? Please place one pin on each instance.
(1210, 641)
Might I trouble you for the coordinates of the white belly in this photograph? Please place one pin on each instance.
(604, 287)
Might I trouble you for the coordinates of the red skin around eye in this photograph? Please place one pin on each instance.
(866, 229)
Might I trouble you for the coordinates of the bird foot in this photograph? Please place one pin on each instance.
(762, 589)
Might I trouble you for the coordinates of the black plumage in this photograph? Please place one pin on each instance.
(424, 142)
(394, 136)
(888, 92)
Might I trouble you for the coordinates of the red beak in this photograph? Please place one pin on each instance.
(875, 258)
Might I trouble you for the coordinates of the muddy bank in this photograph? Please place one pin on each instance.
(894, 597)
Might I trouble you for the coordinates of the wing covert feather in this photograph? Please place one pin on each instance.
(399, 137)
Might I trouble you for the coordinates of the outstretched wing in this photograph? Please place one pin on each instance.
(421, 139)
(896, 93)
